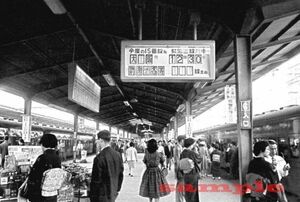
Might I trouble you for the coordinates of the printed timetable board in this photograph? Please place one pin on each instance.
(167, 61)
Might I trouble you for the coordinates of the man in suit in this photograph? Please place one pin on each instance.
(107, 173)
(4, 150)
(169, 154)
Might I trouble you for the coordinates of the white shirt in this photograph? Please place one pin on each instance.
(280, 165)
(131, 154)
(161, 150)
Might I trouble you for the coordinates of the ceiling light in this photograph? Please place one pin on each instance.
(197, 84)
(126, 103)
(133, 100)
(108, 78)
(56, 6)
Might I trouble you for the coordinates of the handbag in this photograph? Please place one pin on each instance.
(23, 190)
(164, 171)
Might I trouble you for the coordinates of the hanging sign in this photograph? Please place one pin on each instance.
(230, 104)
(26, 128)
(167, 61)
(246, 121)
(82, 89)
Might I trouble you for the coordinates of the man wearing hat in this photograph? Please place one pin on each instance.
(107, 173)
(190, 160)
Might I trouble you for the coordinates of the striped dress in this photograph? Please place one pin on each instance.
(154, 184)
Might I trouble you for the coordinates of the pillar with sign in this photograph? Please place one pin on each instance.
(188, 119)
(75, 131)
(242, 49)
(26, 121)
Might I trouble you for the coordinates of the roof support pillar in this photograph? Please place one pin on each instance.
(75, 131)
(242, 49)
(26, 120)
(175, 126)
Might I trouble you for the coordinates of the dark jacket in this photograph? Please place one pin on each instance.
(191, 179)
(3, 151)
(168, 152)
(263, 168)
(49, 159)
(107, 176)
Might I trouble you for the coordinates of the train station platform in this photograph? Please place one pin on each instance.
(130, 186)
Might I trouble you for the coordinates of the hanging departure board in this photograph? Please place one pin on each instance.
(82, 89)
(167, 61)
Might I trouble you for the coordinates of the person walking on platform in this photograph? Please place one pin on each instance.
(204, 154)
(178, 174)
(169, 154)
(107, 172)
(189, 161)
(216, 162)
(261, 171)
(154, 185)
(4, 150)
(277, 161)
(49, 159)
(131, 158)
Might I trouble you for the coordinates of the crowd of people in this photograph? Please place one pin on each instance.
(191, 159)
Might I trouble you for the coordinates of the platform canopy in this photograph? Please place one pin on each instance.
(36, 46)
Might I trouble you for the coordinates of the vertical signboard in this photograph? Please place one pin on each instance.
(26, 128)
(188, 126)
(246, 122)
(230, 104)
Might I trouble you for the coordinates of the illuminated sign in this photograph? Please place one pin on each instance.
(246, 120)
(167, 61)
(82, 89)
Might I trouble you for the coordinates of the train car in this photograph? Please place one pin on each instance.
(282, 125)
(63, 135)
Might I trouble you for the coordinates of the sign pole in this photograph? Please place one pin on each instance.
(188, 118)
(242, 49)
(75, 131)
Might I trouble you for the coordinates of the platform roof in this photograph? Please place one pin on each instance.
(36, 47)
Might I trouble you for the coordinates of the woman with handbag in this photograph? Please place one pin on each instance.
(265, 175)
(189, 161)
(154, 184)
(49, 159)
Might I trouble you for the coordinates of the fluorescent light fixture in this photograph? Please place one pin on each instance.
(197, 84)
(126, 103)
(108, 78)
(56, 6)
(180, 108)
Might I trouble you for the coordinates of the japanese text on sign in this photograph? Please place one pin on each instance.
(26, 128)
(246, 122)
(167, 60)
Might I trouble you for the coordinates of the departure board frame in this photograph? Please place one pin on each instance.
(167, 60)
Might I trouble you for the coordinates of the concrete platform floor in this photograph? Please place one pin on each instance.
(130, 187)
